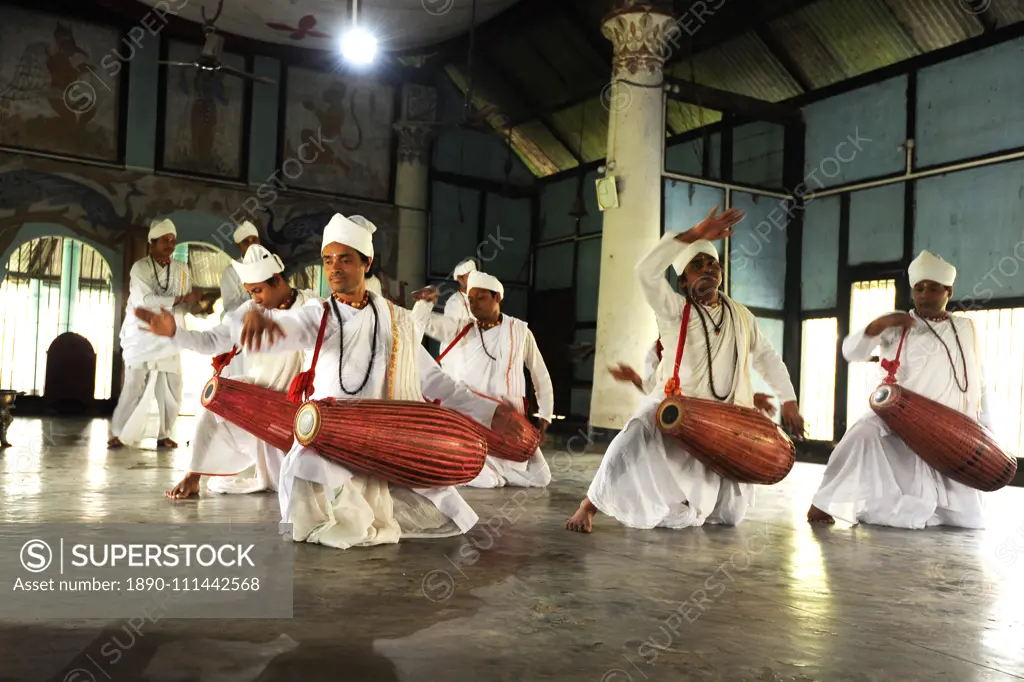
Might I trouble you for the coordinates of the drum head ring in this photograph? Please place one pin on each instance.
(881, 395)
(209, 390)
(670, 414)
(307, 423)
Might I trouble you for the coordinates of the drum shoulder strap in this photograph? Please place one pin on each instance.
(302, 385)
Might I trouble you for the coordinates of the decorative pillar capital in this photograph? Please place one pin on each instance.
(643, 34)
(414, 141)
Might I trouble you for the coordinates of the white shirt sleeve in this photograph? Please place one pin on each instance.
(769, 364)
(667, 304)
(436, 385)
(210, 342)
(651, 364)
(232, 293)
(540, 376)
(857, 346)
(300, 325)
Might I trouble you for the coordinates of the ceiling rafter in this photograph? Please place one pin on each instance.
(749, 108)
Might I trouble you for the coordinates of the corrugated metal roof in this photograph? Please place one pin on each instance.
(556, 60)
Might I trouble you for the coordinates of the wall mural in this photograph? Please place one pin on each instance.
(99, 204)
(203, 116)
(52, 93)
(353, 119)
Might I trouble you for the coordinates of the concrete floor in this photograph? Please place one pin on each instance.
(782, 601)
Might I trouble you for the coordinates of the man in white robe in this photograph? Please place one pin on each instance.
(645, 479)
(872, 476)
(491, 350)
(152, 364)
(370, 351)
(220, 449)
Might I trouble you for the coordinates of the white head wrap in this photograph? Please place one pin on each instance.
(258, 265)
(245, 230)
(481, 280)
(929, 266)
(158, 228)
(465, 267)
(356, 232)
(691, 251)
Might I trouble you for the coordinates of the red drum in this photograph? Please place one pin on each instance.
(511, 435)
(738, 443)
(414, 444)
(263, 412)
(947, 440)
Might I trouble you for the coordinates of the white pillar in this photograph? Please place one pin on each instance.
(626, 327)
(415, 131)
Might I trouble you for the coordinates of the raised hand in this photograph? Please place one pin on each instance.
(901, 320)
(429, 294)
(161, 324)
(626, 374)
(256, 326)
(713, 227)
(763, 402)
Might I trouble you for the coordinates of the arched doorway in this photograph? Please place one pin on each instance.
(206, 264)
(54, 285)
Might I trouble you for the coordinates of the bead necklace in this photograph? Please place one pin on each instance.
(341, 352)
(480, 327)
(949, 354)
(167, 281)
(707, 342)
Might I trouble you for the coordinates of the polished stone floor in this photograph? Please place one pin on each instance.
(779, 601)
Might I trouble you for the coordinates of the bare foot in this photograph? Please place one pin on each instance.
(815, 515)
(583, 520)
(166, 443)
(186, 488)
(114, 443)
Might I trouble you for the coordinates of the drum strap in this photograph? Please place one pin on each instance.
(223, 360)
(457, 338)
(892, 366)
(302, 385)
(672, 386)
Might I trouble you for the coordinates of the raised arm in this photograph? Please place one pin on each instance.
(884, 331)
(436, 326)
(276, 331)
(436, 385)
(540, 376)
(214, 341)
(658, 293)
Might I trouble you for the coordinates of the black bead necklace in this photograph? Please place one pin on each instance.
(707, 341)
(949, 354)
(167, 280)
(341, 352)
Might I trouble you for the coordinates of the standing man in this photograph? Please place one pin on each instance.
(232, 290)
(152, 364)
(370, 351)
(872, 476)
(456, 308)
(220, 449)
(647, 480)
(491, 350)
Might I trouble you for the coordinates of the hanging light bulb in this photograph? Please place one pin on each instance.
(358, 45)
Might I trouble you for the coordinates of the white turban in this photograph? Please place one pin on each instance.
(465, 267)
(356, 232)
(691, 251)
(245, 230)
(481, 280)
(258, 265)
(158, 228)
(929, 266)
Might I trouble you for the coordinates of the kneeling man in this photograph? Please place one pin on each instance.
(872, 476)
(647, 480)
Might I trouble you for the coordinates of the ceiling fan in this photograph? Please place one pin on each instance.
(209, 55)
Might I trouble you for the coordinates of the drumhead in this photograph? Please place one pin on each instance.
(307, 423)
(669, 415)
(882, 395)
(209, 391)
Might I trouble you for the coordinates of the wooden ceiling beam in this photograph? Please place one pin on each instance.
(748, 108)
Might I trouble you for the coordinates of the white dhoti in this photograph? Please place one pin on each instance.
(149, 402)
(498, 473)
(649, 481)
(873, 477)
(226, 452)
(328, 504)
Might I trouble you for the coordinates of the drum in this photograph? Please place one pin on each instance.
(511, 435)
(738, 443)
(414, 444)
(263, 412)
(947, 440)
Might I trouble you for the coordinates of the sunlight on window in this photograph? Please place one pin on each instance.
(818, 376)
(54, 285)
(868, 301)
(1001, 344)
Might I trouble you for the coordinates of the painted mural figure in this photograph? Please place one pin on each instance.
(872, 476)
(648, 480)
(152, 364)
